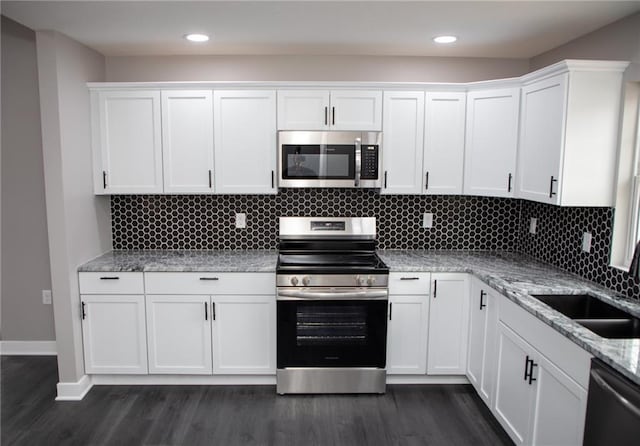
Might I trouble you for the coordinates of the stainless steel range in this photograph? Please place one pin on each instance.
(332, 307)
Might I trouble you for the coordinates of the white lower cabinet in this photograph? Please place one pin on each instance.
(448, 324)
(113, 334)
(482, 328)
(407, 334)
(244, 334)
(179, 334)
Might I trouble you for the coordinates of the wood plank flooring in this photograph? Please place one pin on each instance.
(234, 415)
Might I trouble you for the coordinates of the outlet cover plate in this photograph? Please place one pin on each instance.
(586, 242)
(46, 297)
(427, 220)
(241, 220)
(533, 225)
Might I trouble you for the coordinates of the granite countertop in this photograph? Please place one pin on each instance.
(184, 260)
(516, 276)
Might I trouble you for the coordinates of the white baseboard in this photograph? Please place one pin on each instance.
(74, 391)
(427, 379)
(24, 348)
(206, 380)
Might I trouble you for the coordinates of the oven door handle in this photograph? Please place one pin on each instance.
(332, 295)
(358, 162)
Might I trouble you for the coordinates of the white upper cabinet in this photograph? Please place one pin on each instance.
(568, 133)
(187, 141)
(491, 142)
(329, 110)
(245, 141)
(444, 130)
(303, 110)
(403, 142)
(448, 324)
(127, 142)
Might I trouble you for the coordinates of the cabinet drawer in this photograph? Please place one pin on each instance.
(563, 353)
(111, 283)
(409, 283)
(210, 283)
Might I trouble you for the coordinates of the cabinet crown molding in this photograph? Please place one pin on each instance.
(574, 65)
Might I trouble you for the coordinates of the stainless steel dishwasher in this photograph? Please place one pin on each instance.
(613, 408)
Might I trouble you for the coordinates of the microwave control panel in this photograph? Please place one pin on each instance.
(369, 170)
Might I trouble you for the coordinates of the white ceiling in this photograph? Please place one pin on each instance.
(512, 29)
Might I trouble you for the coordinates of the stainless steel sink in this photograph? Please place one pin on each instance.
(600, 317)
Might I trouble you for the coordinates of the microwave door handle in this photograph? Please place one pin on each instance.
(358, 161)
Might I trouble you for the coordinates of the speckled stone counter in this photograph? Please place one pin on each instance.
(514, 275)
(517, 277)
(164, 261)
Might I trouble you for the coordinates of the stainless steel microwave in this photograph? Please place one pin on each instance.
(329, 159)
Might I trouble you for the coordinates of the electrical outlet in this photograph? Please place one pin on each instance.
(586, 242)
(427, 220)
(533, 225)
(46, 297)
(241, 220)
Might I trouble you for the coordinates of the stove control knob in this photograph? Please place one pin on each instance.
(294, 281)
(306, 280)
(361, 281)
(371, 281)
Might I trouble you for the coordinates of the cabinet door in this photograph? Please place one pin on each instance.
(187, 141)
(407, 334)
(179, 334)
(477, 333)
(541, 139)
(491, 142)
(448, 324)
(244, 334)
(403, 142)
(444, 143)
(559, 409)
(113, 334)
(129, 142)
(245, 141)
(514, 394)
(356, 110)
(303, 110)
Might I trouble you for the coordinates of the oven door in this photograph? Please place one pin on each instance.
(332, 327)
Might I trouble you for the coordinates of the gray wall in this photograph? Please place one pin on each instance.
(79, 221)
(617, 41)
(311, 68)
(25, 248)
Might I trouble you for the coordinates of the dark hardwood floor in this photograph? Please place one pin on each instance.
(235, 415)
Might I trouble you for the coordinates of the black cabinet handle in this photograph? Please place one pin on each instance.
(273, 179)
(104, 179)
(333, 117)
(84, 314)
(509, 183)
(326, 119)
(435, 288)
(110, 278)
(206, 312)
(390, 309)
(208, 278)
(531, 378)
(526, 368)
(213, 311)
(482, 294)
(426, 181)
(409, 278)
(210, 182)
(385, 179)
(551, 192)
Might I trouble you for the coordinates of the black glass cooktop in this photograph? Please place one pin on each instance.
(331, 262)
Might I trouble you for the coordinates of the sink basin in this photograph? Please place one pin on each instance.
(601, 318)
(581, 306)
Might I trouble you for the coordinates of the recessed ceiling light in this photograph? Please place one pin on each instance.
(445, 39)
(197, 37)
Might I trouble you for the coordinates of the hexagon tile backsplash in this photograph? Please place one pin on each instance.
(460, 222)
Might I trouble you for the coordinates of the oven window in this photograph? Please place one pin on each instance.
(319, 162)
(331, 325)
(332, 333)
